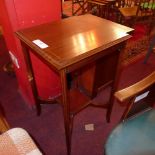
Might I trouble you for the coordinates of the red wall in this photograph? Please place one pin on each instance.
(18, 14)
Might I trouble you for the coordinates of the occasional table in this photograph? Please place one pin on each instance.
(70, 44)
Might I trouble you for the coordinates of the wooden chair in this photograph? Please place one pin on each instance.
(141, 17)
(122, 4)
(103, 7)
(135, 136)
(125, 3)
(79, 7)
(143, 11)
(96, 8)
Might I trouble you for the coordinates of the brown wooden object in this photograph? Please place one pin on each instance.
(143, 89)
(103, 7)
(96, 7)
(74, 43)
(126, 3)
(79, 7)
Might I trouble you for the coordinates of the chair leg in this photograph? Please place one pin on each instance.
(152, 44)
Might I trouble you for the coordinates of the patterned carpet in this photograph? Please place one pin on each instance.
(137, 46)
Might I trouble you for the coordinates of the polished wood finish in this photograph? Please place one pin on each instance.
(135, 89)
(129, 94)
(74, 43)
(68, 45)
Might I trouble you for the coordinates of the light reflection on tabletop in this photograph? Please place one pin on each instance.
(83, 42)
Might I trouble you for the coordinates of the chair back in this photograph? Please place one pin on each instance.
(135, 136)
(125, 3)
(4, 126)
(79, 7)
(137, 97)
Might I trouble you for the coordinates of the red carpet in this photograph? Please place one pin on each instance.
(48, 129)
(137, 46)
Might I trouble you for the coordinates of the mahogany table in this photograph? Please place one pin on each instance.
(70, 44)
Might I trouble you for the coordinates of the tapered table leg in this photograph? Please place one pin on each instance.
(31, 77)
(66, 110)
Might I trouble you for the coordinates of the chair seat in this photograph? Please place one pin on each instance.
(128, 11)
(135, 136)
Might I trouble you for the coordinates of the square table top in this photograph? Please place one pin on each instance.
(72, 39)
